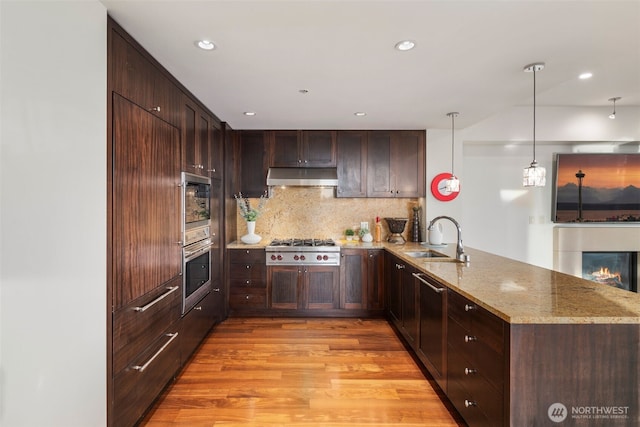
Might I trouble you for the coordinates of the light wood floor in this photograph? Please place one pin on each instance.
(301, 372)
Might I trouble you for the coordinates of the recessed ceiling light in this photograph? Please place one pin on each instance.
(405, 45)
(249, 113)
(585, 76)
(360, 113)
(205, 45)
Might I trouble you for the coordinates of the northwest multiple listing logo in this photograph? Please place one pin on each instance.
(557, 412)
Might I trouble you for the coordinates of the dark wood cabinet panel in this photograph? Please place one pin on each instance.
(319, 148)
(375, 280)
(254, 163)
(392, 266)
(134, 77)
(284, 286)
(308, 148)
(409, 304)
(216, 153)
(353, 279)
(395, 164)
(195, 324)
(433, 328)
(197, 144)
(321, 287)
(146, 202)
(351, 161)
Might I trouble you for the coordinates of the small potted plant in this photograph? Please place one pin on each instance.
(349, 233)
(365, 235)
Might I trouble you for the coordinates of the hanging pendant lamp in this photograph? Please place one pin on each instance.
(614, 99)
(534, 175)
(452, 185)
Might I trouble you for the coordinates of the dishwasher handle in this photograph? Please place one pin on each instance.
(419, 277)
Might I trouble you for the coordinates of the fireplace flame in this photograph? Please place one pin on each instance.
(605, 274)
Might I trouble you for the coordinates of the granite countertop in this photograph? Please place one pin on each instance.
(517, 292)
(521, 293)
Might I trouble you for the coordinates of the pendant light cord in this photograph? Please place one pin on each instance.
(452, 143)
(534, 115)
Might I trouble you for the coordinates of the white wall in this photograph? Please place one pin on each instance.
(53, 213)
(497, 214)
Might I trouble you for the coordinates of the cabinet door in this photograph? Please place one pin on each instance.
(196, 132)
(409, 305)
(407, 167)
(146, 202)
(379, 164)
(375, 279)
(352, 163)
(353, 279)
(321, 285)
(284, 285)
(319, 148)
(196, 324)
(392, 284)
(216, 154)
(285, 148)
(254, 163)
(432, 328)
(132, 73)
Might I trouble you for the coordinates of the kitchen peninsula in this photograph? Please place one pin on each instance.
(514, 344)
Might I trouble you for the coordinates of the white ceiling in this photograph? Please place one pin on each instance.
(469, 57)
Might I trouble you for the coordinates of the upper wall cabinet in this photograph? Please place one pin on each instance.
(352, 164)
(395, 164)
(308, 148)
(253, 153)
(196, 139)
(138, 80)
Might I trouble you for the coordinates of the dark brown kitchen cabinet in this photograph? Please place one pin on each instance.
(247, 280)
(432, 345)
(197, 133)
(216, 151)
(362, 279)
(302, 148)
(303, 287)
(195, 324)
(475, 362)
(396, 164)
(134, 77)
(402, 289)
(146, 202)
(253, 153)
(351, 161)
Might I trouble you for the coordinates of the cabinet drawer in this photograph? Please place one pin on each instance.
(243, 283)
(246, 256)
(247, 298)
(489, 329)
(135, 389)
(138, 324)
(459, 309)
(196, 324)
(476, 398)
(248, 271)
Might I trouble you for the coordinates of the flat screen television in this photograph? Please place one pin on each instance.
(596, 187)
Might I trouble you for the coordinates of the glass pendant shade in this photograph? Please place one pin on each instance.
(534, 176)
(452, 185)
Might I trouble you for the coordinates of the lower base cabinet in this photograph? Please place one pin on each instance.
(195, 325)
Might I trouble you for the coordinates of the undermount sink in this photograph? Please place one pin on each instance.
(425, 254)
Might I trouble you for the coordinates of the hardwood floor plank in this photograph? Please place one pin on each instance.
(300, 373)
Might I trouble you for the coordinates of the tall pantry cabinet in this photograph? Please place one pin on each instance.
(148, 338)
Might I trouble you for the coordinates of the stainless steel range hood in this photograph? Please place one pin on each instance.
(303, 177)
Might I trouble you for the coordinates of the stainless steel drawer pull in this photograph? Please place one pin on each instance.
(470, 403)
(156, 109)
(146, 365)
(419, 277)
(216, 289)
(470, 371)
(199, 308)
(470, 338)
(469, 307)
(157, 300)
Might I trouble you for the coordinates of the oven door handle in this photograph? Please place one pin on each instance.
(188, 256)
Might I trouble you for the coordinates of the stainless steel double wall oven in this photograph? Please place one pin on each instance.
(196, 239)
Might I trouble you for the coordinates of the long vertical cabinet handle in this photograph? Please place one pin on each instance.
(155, 301)
(146, 365)
(419, 277)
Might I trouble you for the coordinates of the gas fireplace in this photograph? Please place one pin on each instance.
(617, 269)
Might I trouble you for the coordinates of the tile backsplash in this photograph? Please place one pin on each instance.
(314, 212)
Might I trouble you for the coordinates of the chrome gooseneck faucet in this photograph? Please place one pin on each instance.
(460, 255)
